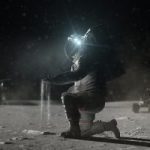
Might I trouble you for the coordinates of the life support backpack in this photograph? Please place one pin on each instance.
(97, 46)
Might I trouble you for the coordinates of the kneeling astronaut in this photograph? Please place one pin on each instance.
(92, 56)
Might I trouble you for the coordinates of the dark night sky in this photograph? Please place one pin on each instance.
(33, 32)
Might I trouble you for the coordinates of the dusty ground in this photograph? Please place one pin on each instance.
(14, 119)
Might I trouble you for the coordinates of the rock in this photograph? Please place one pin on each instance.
(5, 142)
(14, 138)
(1, 142)
(32, 132)
(2, 127)
(36, 132)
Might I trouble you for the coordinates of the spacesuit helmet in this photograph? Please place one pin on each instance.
(75, 45)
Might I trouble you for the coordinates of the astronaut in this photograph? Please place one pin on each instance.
(93, 64)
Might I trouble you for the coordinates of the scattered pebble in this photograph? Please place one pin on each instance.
(8, 142)
(2, 127)
(122, 118)
(14, 138)
(1, 142)
(136, 131)
(36, 132)
(32, 132)
(5, 142)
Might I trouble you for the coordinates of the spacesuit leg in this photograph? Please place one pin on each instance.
(72, 115)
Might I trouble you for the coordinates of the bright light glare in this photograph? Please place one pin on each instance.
(77, 41)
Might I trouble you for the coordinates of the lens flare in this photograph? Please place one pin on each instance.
(77, 41)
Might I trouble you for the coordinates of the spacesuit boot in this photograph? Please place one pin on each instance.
(89, 128)
(111, 126)
(100, 127)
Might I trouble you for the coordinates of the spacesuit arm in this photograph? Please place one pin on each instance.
(73, 75)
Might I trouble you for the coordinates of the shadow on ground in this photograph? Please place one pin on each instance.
(122, 140)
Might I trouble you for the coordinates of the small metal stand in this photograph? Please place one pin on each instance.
(45, 102)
